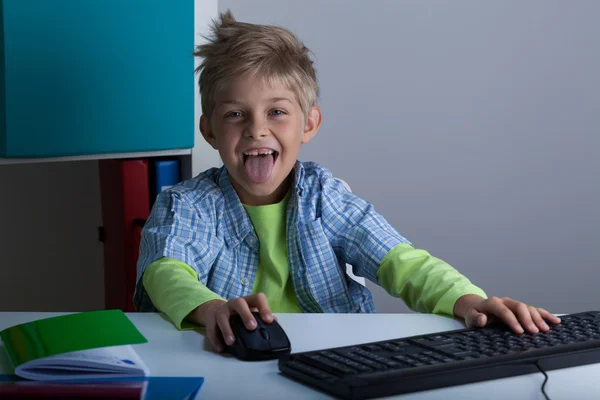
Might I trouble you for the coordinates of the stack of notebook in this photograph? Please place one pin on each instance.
(84, 355)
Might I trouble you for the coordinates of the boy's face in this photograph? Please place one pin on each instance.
(258, 131)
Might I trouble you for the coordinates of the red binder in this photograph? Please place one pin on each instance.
(125, 197)
(72, 390)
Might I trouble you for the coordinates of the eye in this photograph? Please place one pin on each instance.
(233, 114)
(277, 112)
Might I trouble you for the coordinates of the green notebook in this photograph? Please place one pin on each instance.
(88, 345)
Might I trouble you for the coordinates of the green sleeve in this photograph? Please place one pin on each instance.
(175, 290)
(425, 283)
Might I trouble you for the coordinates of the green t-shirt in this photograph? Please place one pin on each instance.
(273, 273)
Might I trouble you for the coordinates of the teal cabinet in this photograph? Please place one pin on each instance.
(84, 77)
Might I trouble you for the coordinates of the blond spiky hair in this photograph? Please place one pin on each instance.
(266, 52)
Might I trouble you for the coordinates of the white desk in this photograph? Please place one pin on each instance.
(173, 353)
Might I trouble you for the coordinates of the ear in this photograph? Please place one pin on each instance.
(313, 123)
(207, 132)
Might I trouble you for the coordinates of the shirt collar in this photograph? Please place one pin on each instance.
(236, 218)
(299, 178)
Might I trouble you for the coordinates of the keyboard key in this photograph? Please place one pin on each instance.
(390, 347)
(440, 342)
(450, 350)
(395, 364)
(421, 340)
(467, 355)
(410, 349)
(346, 361)
(371, 356)
(328, 365)
(311, 371)
(372, 347)
(404, 359)
(365, 361)
(421, 358)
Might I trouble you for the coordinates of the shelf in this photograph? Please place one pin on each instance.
(91, 96)
(162, 153)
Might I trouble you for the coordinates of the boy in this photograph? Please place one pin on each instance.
(269, 233)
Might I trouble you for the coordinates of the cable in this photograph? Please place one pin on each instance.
(537, 364)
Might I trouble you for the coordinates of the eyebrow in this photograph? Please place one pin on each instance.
(271, 100)
(276, 99)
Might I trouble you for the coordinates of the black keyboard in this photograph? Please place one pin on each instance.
(443, 359)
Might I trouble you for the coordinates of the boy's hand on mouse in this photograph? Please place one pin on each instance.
(479, 312)
(217, 316)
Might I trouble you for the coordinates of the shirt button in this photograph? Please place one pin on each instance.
(251, 240)
(245, 281)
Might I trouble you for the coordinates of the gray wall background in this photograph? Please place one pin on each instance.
(471, 126)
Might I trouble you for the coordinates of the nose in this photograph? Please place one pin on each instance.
(256, 128)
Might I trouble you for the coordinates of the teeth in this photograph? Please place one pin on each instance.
(257, 152)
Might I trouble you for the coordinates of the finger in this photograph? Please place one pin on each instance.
(521, 310)
(241, 307)
(476, 319)
(260, 302)
(496, 307)
(214, 337)
(548, 316)
(537, 319)
(223, 323)
(254, 309)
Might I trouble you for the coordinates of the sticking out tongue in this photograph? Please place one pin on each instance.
(259, 168)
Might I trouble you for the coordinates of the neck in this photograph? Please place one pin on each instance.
(272, 198)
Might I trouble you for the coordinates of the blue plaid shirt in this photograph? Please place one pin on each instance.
(203, 223)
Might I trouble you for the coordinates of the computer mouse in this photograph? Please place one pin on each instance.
(265, 342)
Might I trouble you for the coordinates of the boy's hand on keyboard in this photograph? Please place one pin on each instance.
(218, 313)
(478, 312)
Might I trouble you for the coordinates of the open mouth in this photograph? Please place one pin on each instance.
(260, 153)
(259, 164)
